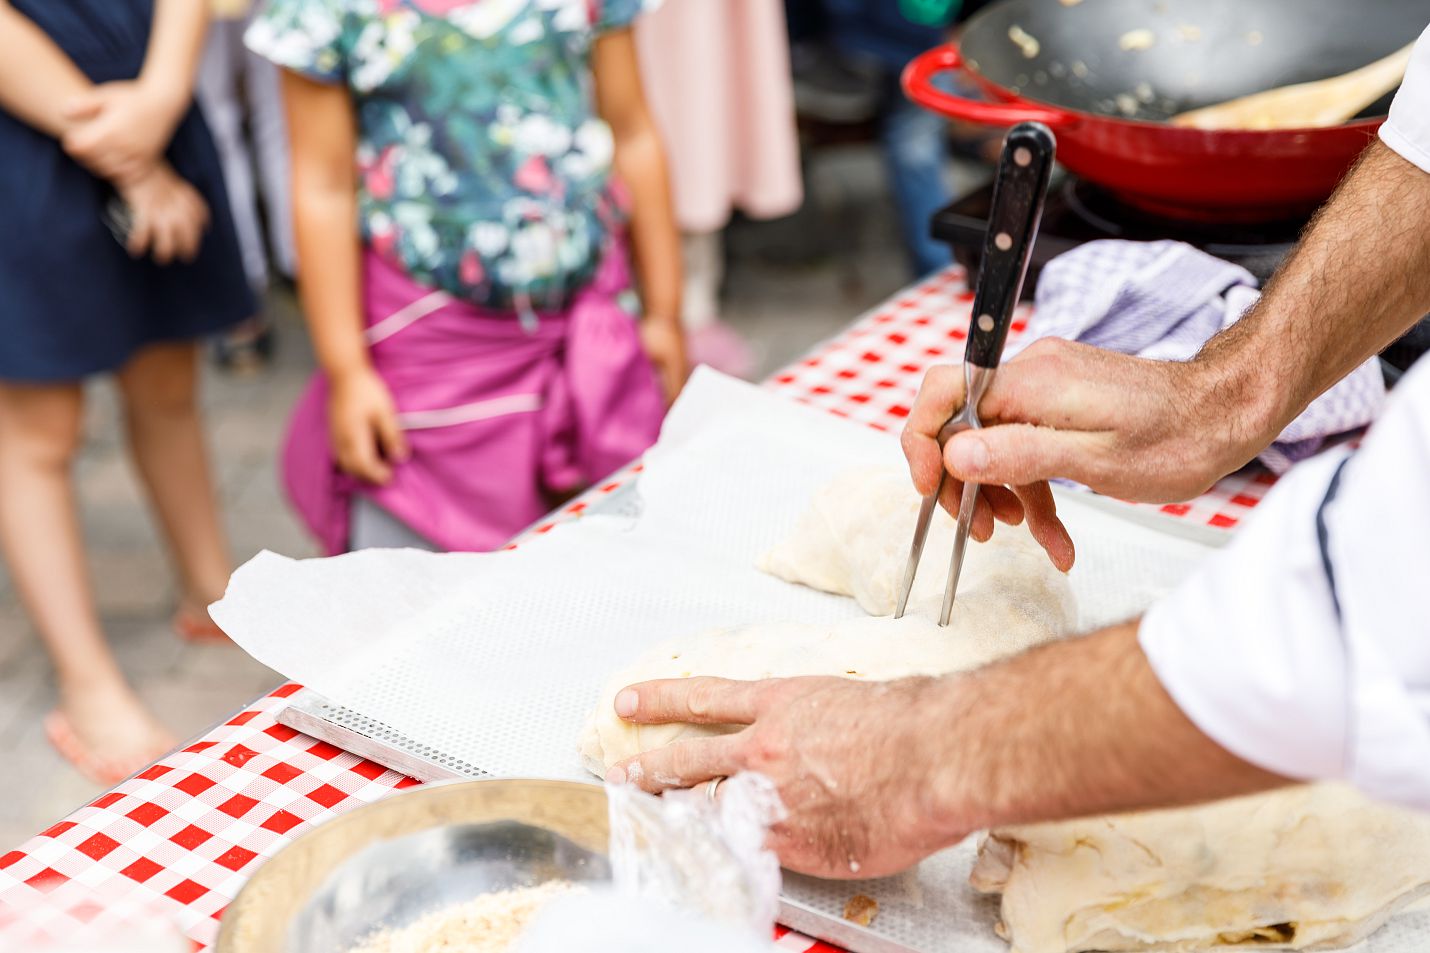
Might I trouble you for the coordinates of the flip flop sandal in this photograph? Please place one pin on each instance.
(65, 740)
(201, 631)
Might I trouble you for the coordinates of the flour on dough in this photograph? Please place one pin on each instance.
(1010, 598)
(1307, 867)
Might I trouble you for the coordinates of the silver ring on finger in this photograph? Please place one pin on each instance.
(711, 788)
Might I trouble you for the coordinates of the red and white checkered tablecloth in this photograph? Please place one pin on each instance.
(180, 839)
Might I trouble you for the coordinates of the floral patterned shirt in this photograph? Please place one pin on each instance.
(483, 168)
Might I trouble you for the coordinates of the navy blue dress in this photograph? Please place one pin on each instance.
(72, 301)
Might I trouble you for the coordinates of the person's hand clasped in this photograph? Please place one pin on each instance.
(121, 129)
(363, 426)
(853, 762)
(1127, 427)
(168, 216)
(664, 343)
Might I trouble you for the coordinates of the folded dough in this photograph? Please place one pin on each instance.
(850, 543)
(1305, 868)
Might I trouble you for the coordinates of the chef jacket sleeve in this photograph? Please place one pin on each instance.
(1303, 646)
(1407, 131)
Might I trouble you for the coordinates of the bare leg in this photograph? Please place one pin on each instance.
(166, 440)
(708, 339)
(39, 529)
(703, 255)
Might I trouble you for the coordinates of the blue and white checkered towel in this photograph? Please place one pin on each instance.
(1163, 300)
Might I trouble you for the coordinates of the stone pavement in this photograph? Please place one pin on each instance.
(783, 299)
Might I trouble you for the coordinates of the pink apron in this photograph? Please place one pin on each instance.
(497, 416)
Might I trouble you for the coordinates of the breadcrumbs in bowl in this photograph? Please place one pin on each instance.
(490, 923)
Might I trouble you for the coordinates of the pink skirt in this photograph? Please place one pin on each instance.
(497, 416)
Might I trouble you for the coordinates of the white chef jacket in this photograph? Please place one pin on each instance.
(1304, 645)
(1407, 131)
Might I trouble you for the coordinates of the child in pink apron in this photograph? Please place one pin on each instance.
(481, 340)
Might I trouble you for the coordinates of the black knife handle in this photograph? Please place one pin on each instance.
(1019, 188)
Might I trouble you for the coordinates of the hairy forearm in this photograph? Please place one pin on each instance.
(1358, 279)
(37, 79)
(176, 41)
(1075, 728)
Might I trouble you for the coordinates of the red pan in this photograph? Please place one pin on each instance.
(1105, 75)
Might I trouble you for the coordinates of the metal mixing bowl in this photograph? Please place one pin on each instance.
(389, 863)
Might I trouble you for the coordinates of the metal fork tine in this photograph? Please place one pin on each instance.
(916, 551)
(966, 506)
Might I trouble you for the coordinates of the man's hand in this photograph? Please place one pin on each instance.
(1128, 427)
(1163, 431)
(853, 761)
(875, 776)
(121, 129)
(168, 216)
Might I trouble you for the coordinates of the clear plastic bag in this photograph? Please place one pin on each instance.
(685, 868)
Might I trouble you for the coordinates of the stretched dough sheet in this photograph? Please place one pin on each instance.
(496, 658)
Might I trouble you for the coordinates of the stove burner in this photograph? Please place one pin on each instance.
(1231, 240)
(1077, 212)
